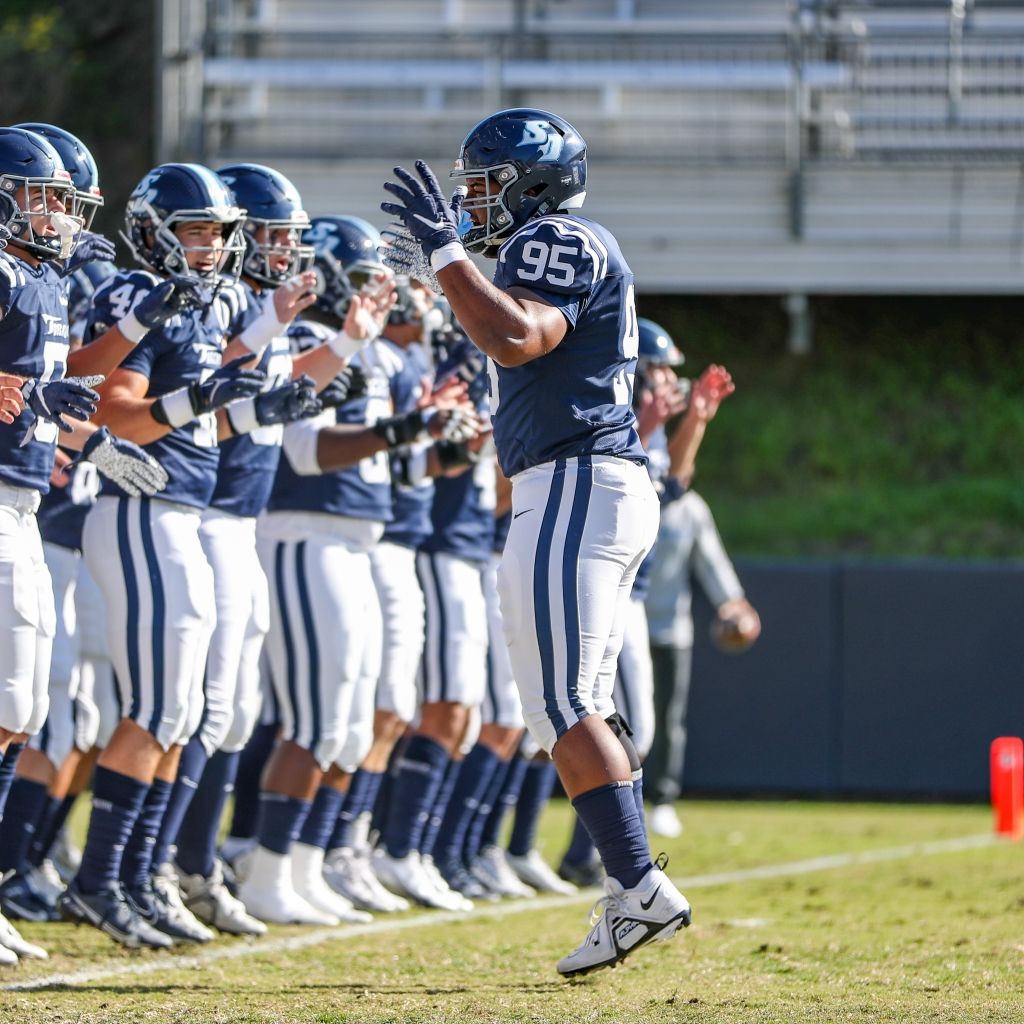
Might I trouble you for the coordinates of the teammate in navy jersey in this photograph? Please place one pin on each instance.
(450, 564)
(324, 616)
(48, 748)
(157, 585)
(34, 336)
(559, 325)
(393, 564)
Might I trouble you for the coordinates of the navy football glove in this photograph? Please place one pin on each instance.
(422, 208)
(227, 384)
(348, 385)
(124, 463)
(169, 298)
(55, 399)
(296, 400)
(90, 247)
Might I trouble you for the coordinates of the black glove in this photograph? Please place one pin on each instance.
(347, 386)
(90, 247)
(296, 400)
(227, 384)
(422, 208)
(123, 463)
(177, 295)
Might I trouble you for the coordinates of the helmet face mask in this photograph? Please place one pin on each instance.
(267, 260)
(168, 198)
(517, 164)
(274, 223)
(346, 261)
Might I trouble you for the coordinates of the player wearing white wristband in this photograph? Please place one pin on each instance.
(146, 555)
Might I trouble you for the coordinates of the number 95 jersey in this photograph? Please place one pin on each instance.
(577, 399)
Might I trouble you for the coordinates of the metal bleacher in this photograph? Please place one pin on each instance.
(736, 145)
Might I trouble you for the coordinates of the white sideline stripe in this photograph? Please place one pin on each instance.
(426, 920)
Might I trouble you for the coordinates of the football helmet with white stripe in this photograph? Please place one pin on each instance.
(517, 164)
(175, 194)
(44, 219)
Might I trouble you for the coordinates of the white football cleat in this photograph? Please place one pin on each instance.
(13, 944)
(165, 882)
(491, 869)
(452, 897)
(407, 876)
(625, 919)
(211, 901)
(663, 821)
(534, 871)
(349, 874)
(308, 879)
(269, 894)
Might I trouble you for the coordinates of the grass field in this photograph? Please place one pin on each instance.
(859, 913)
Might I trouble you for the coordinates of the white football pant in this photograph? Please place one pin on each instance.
(580, 529)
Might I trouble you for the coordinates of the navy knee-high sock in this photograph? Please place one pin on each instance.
(323, 816)
(7, 764)
(538, 783)
(137, 862)
(190, 775)
(55, 813)
(117, 802)
(245, 817)
(609, 814)
(362, 794)
(418, 776)
(281, 820)
(505, 802)
(471, 786)
(444, 794)
(474, 834)
(25, 806)
(197, 837)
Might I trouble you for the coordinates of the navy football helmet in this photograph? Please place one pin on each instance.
(532, 163)
(33, 176)
(656, 345)
(175, 194)
(346, 259)
(271, 203)
(78, 162)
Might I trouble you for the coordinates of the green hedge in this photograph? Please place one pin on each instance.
(902, 433)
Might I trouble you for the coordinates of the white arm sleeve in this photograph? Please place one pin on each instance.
(300, 441)
(711, 564)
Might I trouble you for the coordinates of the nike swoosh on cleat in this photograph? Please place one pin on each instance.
(647, 905)
(523, 513)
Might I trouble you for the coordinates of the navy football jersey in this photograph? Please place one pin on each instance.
(248, 463)
(577, 399)
(33, 343)
(411, 502)
(362, 491)
(187, 348)
(462, 515)
(62, 512)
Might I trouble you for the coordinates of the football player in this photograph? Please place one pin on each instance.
(34, 329)
(146, 556)
(559, 324)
